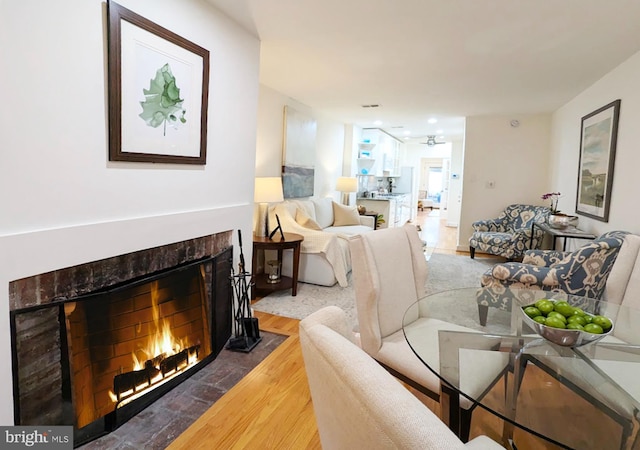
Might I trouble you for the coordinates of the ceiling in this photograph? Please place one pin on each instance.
(444, 59)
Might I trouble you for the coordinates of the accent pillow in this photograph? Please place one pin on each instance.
(308, 207)
(324, 211)
(306, 221)
(345, 215)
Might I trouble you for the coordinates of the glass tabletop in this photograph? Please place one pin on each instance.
(512, 371)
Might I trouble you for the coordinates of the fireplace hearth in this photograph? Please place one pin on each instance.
(120, 336)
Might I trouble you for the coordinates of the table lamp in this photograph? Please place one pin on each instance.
(346, 185)
(267, 190)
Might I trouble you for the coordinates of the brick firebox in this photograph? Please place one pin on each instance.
(44, 391)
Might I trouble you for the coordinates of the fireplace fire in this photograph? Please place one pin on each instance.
(119, 347)
(164, 357)
(129, 385)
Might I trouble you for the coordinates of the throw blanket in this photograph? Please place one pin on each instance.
(315, 241)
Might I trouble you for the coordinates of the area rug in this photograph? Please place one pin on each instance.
(445, 272)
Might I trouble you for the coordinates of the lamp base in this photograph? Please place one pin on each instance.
(345, 198)
(263, 223)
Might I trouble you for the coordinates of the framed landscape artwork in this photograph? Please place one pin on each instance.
(158, 91)
(597, 157)
(299, 154)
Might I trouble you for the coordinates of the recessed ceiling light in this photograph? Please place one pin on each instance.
(407, 132)
(378, 122)
(432, 120)
(439, 131)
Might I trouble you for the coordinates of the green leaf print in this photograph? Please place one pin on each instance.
(162, 103)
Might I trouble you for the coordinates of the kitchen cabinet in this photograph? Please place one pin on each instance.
(386, 207)
(405, 210)
(401, 214)
(385, 150)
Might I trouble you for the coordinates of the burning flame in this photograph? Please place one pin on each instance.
(160, 345)
(162, 342)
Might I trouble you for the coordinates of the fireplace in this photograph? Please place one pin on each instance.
(105, 339)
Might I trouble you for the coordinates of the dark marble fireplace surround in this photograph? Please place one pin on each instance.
(41, 387)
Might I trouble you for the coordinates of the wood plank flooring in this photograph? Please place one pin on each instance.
(271, 407)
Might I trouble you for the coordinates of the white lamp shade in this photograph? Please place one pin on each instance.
(268, 190)
(347, 184)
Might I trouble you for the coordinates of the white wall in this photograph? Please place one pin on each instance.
(524, 169)
(62, 202)
(621, 83)
(516, 160)
(454, 202)
(330, 142)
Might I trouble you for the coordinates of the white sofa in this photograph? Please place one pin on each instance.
(326, 226)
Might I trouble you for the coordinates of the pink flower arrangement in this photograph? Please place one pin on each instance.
(554, 196)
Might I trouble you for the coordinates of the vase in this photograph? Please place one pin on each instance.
(561, 221)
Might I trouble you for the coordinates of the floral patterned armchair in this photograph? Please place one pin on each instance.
(510, 234)
(582, 272)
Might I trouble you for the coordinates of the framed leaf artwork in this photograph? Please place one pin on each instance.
(158, 91)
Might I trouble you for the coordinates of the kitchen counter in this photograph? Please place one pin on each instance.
(384, 197)
(389, 206)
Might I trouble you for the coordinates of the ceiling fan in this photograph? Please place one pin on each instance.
(431, 141)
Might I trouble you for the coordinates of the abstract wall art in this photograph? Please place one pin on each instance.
(597, 157)
(299, 154)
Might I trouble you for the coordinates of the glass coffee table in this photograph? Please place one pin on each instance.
(562, 394)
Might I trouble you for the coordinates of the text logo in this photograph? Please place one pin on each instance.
(44, 437)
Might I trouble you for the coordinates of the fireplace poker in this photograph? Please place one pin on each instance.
(249, 322)
(247, 331)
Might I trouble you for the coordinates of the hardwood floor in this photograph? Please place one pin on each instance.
(271, 407)
(439, 237)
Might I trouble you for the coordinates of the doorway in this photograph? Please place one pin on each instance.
(434, 179)
(434, 187)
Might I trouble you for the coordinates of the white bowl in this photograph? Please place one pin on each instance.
(562, 336)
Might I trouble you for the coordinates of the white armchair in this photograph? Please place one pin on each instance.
(389, 274)
(357, 403)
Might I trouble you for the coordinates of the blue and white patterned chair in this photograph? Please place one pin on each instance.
(582, 272)
(510, 234)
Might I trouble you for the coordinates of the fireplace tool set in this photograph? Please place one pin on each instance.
(245, 328)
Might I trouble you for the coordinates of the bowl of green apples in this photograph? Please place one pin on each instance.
(566, 325)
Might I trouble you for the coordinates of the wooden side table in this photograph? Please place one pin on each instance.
(291, 241)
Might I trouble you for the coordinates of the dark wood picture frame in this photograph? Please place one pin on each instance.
(139, 150)
(598, 139)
